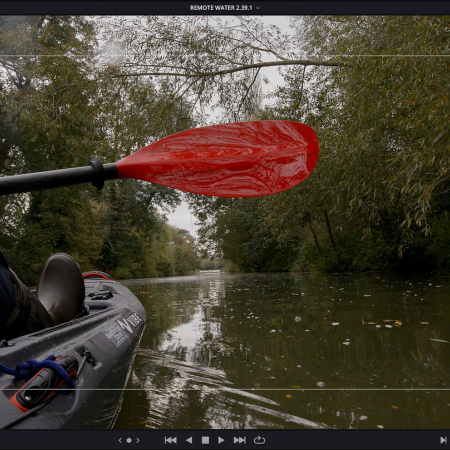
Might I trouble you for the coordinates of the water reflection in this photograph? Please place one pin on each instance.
(288, 351)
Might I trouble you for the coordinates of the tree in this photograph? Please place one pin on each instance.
(208, 61)
(239, 232)
(57, 111)
(383, 167)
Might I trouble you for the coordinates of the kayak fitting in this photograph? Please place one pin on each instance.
(46, 382)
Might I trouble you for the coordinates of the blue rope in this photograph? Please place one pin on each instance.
(26, 371)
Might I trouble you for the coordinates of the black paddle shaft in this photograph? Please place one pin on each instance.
(95, 173)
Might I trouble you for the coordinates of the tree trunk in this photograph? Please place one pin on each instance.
(315, 237)
(330, 234)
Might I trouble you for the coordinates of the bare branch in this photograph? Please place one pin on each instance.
(294, 62)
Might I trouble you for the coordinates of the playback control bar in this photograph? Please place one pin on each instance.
(226, 439)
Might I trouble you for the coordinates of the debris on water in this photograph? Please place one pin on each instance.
(288, 396)
(395, 407)
(346, 343)
(440, 340)
(299, 366)
(368, 323)
(321, 384)
(425, 323)
(367, 295)
(388, 326)
(363, 418)
(398, 323)
(380, 426)
(298, 319)
(377, 326)
(273, 331)
(335, 324)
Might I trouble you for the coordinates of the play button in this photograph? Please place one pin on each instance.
(220, 440)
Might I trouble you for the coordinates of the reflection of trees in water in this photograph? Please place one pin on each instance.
(249, 332)
(182, 395)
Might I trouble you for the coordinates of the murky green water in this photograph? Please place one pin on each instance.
(291, 351)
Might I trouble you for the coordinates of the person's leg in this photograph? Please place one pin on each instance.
(26, 314)
(7, 299)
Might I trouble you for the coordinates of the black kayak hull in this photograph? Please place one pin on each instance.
(111, 332)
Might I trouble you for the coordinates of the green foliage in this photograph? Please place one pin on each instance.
(378, 198)
(59, 108)
(242, 236)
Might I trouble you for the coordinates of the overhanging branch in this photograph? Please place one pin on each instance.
(293, 62)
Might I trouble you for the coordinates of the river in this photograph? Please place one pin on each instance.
(280, 351)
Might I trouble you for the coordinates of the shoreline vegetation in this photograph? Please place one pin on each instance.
(374, 88)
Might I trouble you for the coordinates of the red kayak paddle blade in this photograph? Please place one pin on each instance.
(244, 159)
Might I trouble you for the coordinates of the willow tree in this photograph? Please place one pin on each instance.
(211, 61)
(382, 121)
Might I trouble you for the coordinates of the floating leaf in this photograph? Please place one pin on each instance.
(395, 407)
(440, 340)
(288, 396)
(398, 323)
(425, 323)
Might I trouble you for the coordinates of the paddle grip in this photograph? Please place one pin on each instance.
(95, 173)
